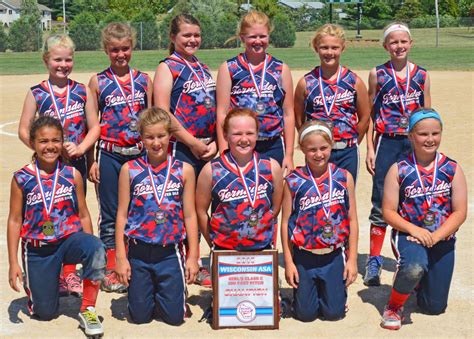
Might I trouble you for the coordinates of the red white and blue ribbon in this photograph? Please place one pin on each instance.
(327, 211)
(428, 195)
(132, 84)
(53, 188)
(403, 97)
(258, 88)
(159, 197)
(323, 96)
(61, 118)
(251, 198)
(203, 83)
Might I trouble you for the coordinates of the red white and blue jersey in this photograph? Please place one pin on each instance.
(141, 223)
(306, 226)
(64, 212)
(231, 208)
(389, 99)
(343, 115)
(243, 93)
(188, 96)
(73, 117)
(413, 205)
(115, 114)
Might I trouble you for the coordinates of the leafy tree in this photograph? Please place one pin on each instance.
(85, 33)
(97, 8)
(445, 7)
(3, 38)
(147, 30)
(269, 7)
(285, 34)
(113, 16)
(25, 34)
(410, 9)
(466, 8)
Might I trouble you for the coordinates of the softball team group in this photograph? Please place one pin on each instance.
(168, 150)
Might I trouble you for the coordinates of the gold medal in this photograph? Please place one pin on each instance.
(48, 228)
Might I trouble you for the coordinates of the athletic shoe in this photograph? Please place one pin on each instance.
(203, 278)
(373, 270)
(392, 318)
(110, 283)
(90, 322)
(74, 285)
(63, 291)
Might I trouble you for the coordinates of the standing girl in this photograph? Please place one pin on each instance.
(244, 188)
(66, 100)
(262, 83)
(120, 93)
(184, 87)
(425, 201)
(336, 95)
(396, 89)
(319, 221)
(48, 212)
(155, 214)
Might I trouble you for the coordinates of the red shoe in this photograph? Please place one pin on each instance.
(110, 283)
(392, 318)
(203, 278)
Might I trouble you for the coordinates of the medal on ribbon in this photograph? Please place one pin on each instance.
(48, 225)
(208, 102)
(429, 217)
(260, 107)
(133, 124)
(328, 229)
(61, 117)
(160, 214)
(328, 109)
(403, 121)
(253, 217)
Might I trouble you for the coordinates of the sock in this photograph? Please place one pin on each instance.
(89, 294)
(377, 235)
(397, 300)
(110, 259)
(68, 269)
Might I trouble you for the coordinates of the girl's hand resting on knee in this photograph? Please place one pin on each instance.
(291, 275)
(192, 268)
(123, 271)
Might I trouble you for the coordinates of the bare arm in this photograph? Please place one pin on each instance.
(300, 98)
(93, 101)
(390, 210)
(15, 220)
(363, 109)
(203, 191)
(350, 270)
(122, 269)
(191, 223)
(81, 203)
(277, 180)
(291, 273)
(427, 91)
(459, 205)
(27, 116)
(370, 157)
(288, 119)
(223, 89)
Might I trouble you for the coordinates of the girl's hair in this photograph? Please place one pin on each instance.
(239, 112)
(395, 23)
(328, 30)
(175, 26)
(254, 18)
(118, 31)
(57, 40)
(152, 116)
(321, 131)
(39, 123)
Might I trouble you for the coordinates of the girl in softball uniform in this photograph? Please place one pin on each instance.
(184, 87)
(120, 93)
(425, 202)
(244, 188)
(48, 213)
(155, 214)
(258, 81)
(319, 223)
(396, 89)
(66, 100)
(336, 95)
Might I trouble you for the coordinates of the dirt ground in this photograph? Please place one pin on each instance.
(452, 94)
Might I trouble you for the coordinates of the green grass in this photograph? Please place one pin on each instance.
(455, 52)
